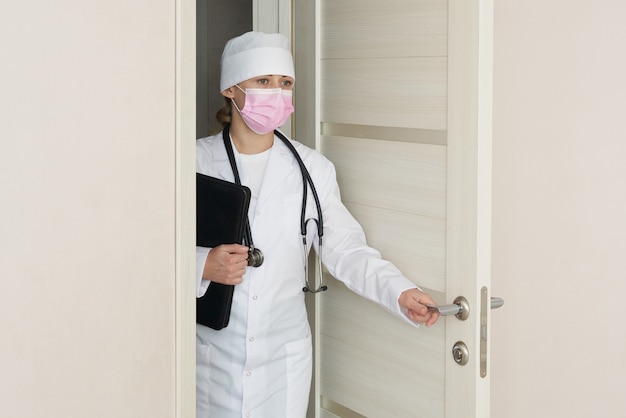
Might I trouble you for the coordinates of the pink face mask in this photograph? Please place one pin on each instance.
(265, 109)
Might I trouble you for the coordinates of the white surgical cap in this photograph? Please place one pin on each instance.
(253, 54)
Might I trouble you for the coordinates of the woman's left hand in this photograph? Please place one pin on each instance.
(415, 302)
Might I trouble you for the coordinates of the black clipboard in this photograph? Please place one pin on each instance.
(221, 215)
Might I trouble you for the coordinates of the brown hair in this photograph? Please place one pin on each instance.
(224, 115)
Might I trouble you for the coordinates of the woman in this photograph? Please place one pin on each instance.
(260, 364)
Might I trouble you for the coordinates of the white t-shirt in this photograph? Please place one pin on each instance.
(254, 165)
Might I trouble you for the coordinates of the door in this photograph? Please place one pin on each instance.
(398, 94)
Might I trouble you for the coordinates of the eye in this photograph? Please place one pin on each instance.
(286, 82)
(262, 81)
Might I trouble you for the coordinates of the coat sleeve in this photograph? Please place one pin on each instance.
(349, 258)
(201, 284)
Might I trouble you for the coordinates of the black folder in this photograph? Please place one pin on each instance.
(221, 215)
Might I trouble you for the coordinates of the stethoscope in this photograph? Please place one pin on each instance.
(255, 255)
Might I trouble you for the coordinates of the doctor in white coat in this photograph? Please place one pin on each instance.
(260, 365)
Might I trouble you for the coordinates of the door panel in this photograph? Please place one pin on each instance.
(376, 174)
(414, 89)
(393, 28)
(365, 356)
(416, 243)
(409, 232)
(373, 364)
(369, 359)
(403, 111)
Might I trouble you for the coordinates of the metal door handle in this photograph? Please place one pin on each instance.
(496, 303)
(460, 308)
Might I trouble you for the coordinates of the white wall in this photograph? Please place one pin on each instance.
(559, 209)
(87, 212)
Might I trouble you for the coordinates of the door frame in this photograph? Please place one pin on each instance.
(270, 16)
(470, 38)
(185, 241)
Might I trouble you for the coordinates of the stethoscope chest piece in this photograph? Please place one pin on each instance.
(255, 257)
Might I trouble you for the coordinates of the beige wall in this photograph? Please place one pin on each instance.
(559, 209)
(87, 213)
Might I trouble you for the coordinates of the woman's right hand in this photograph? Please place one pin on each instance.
(226, 264)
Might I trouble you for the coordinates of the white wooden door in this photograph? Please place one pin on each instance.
(400, 93)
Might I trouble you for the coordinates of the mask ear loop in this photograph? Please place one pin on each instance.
(235, 104)
(308, 181)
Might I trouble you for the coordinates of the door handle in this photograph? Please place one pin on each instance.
(461, 309)
(496, 302)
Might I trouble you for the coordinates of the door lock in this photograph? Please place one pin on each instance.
(460, 353)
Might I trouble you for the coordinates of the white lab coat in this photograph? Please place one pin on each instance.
(260, 365)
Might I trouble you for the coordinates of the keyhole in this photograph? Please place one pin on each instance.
(460, 353)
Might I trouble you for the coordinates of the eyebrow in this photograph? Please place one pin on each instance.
(272, 75)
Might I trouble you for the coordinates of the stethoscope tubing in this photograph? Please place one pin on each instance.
(307, 182)
(306, 179)
(231, 157)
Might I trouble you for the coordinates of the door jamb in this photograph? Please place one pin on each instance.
(185, 201)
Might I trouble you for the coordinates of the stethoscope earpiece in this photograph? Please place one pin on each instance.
(306, 289)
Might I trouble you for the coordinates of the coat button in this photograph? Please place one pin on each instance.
(255, 297)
